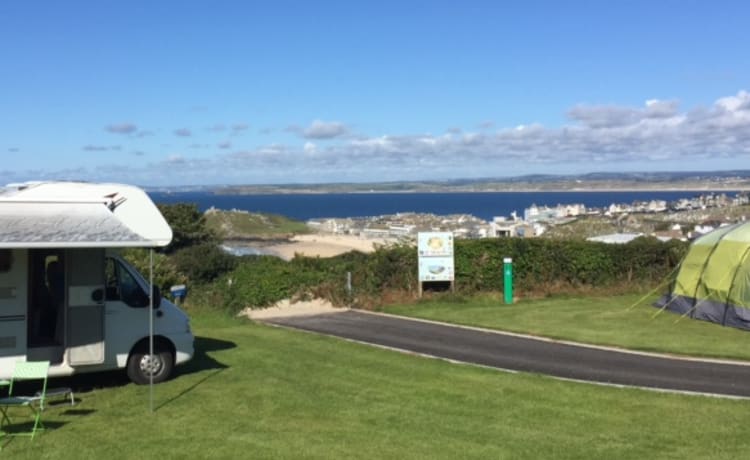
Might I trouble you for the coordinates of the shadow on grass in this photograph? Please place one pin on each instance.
(201, 362)
(78, 412)
(22, 430)
(188, 389)
(85, 383)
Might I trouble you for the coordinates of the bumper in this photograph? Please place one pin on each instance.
(184, 347)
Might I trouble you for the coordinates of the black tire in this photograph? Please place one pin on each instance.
(138, 365)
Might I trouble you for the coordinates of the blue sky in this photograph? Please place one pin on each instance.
(169, 93)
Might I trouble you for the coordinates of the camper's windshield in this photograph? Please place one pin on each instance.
(122, 285)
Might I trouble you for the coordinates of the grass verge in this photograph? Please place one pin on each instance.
(596, 320)
(260, 392)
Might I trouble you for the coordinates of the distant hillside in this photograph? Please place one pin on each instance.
(239, 225)
(695, 180)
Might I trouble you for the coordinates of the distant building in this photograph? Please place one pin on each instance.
(511, 229)
(656, 206)
(536, 213)
(615, 238)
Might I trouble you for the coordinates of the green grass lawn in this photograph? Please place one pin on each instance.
(255, 391)
(595, 320)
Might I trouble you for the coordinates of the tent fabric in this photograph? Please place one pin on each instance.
(713, 282)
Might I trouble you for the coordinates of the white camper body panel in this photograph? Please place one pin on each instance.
(84, 341)
(91, 312)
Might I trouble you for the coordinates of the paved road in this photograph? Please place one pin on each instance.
(528, 354)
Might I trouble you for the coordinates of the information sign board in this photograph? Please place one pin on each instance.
(435, 244)
(435, 250)
(436, 269)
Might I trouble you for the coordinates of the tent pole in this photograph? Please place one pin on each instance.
(664, 281)
(700, 302)
(151, 328)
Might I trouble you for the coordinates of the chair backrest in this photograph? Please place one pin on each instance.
(30, 370)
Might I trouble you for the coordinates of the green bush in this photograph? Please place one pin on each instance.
(261, 281)
(166, 273)
(188, 226)
(203, 263)
(541, 266)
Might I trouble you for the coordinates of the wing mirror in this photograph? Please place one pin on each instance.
(156, 296)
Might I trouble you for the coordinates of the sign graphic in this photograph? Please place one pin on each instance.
(435, 250)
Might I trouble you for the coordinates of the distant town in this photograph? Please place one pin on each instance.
(683, 219)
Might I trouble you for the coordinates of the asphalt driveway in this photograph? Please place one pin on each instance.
(511, 352)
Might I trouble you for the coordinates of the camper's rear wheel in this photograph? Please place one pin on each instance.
(141, 366)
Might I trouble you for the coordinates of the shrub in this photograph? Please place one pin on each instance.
(203, 263)
(188, 226)
(540, 266)
(166, 273)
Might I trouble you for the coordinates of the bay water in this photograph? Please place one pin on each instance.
(485, 205)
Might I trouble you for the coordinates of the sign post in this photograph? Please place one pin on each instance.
(508, 280)
(435, 250)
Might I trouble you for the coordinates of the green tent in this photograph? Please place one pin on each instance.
(713, 282)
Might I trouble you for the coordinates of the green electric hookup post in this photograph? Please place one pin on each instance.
(508, 280)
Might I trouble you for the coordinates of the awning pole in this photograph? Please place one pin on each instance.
(151, 329)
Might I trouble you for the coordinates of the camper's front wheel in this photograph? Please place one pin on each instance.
(141, 366)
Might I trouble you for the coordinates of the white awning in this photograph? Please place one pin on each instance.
(60, 215)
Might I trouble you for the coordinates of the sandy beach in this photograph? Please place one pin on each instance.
(319, 245)
(287, 308)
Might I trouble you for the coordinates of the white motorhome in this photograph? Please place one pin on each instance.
(65, 294)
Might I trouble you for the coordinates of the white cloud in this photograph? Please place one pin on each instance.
(176, 159)
(121, 128)
(661, 109)
(735, 103)
(96, 148)
(595, 138)
(325, 130)
(239, 127)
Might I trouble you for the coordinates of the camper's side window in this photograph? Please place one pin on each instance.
(121, 285)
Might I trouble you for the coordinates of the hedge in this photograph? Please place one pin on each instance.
(540, 265)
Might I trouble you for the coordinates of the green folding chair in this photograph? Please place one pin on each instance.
(25, 370)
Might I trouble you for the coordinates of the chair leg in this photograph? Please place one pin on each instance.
(38, 425)
(5, 418)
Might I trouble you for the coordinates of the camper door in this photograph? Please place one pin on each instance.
(13, 285)
(85, 268)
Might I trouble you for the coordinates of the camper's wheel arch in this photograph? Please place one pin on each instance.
(161, 366)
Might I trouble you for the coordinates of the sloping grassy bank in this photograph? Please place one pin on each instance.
(260, 392)
(598, 320)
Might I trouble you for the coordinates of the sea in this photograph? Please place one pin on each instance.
(484, 205)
